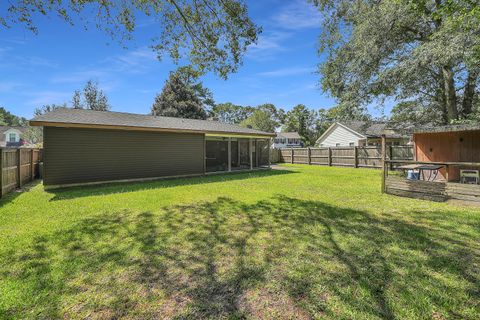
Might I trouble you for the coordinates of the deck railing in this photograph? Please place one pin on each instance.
(436, 187)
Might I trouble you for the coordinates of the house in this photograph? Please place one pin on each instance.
(287, 140)
(361, 133)
(453, 143)
(91, 147)
(12, 136)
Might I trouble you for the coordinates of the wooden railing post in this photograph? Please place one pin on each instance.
(355, 156)
(1, 172)
(19, 167)
(330, 156)
(384, 157)
(292, 155)
(391, 156)
(309, 154)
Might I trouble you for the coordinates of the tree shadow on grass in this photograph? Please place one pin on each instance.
(112, 188)
(9, 197)
(280, 258)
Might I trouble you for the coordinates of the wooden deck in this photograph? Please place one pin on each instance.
(434, 191)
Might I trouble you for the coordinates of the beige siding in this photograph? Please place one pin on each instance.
(89, 155)
(339, 135)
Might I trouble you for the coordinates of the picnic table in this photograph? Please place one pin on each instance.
(433, 170)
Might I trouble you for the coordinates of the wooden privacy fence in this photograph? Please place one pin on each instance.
(18, 166)
(364, 157)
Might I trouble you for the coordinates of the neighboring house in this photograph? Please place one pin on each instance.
(287, 140)
(90, 147)
(12, 136)
(359, 133)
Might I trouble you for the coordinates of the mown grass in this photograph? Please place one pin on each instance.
(309, 242)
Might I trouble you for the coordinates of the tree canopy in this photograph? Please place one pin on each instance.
(212, 34)
(304, 121)
(261, 119)
(231, 113)
(415, 51)
(9, 119)
(179, 98)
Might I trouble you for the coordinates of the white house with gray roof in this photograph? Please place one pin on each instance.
(287, 140)
(12, 136)
(361, 133)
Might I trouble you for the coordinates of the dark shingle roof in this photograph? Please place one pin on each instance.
(65, 116)
(288, 135)
(450, 128)
(3, 129)
(374, 129)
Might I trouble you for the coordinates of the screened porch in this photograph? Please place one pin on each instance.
(226, 154)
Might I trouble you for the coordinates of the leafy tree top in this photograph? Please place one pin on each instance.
(213, 34)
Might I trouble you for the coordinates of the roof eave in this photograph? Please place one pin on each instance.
(138, 128)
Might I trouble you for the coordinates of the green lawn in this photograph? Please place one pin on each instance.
(308, 242)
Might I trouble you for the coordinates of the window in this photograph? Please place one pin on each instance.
(12, 137)
(351, 144)
(396, 143)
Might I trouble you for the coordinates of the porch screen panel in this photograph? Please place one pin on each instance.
(244, 149)
(216, 154)
(263, 152)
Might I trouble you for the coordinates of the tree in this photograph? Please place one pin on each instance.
(190, 77)
(34, 135)
(230, 113)
(213, 34)
(9, 119)
(260, 119)
(304, 121)
(48, 107)
(178, 99)
(95, 99)
(77, 100)
(409, 114)
(402, 49)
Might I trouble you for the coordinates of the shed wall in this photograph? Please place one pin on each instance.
(448, 147)
(73, 155)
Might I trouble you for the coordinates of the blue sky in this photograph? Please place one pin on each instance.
(48, 67)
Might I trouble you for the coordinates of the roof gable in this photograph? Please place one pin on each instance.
(288, 135)
(333, 127)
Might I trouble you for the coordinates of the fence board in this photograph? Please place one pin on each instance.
(362, 157)
(18, 166)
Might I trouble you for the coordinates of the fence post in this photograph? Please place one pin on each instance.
(355, 155)
(32, 165)
(292, 155)
(384, 156)
(19, 167)
(309, 154)
(1, 172)
(330, 156)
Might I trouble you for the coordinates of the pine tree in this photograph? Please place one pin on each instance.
(178, 99)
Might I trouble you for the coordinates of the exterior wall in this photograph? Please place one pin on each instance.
(73, 155)
(448, 147)
(287, 144)
(340, 135)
